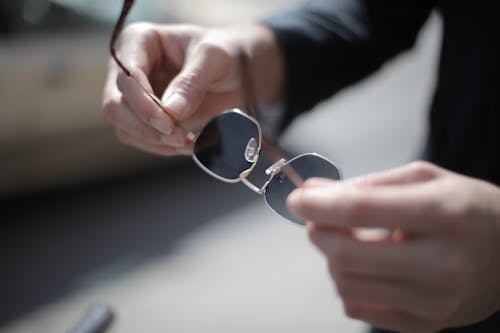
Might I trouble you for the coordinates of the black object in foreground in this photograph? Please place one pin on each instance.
(96, 320)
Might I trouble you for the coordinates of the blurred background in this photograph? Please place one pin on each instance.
(85, 219)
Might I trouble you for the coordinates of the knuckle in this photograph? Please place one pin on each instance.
(457, 215)
(423, 169)
(209, 48)
(110, 108)
(192, 31)
(137, 28)
(189, 82)
(209, 51)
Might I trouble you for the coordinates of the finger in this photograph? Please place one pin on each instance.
(188, 89)
(122, 117)
(212, 105)
(411, 173)
(140, 50)
(388, 293)
(346, 205)
(143, 106)
(318, 182)
(413, 261)
(159, 149)
(177, 139)
(375, 259)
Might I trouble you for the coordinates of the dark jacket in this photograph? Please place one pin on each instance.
(330, 44)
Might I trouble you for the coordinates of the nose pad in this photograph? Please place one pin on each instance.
(251, 150)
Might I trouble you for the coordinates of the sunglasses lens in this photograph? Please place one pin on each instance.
(228, 145)
(292, 174)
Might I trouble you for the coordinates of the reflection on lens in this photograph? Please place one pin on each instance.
(291, 176)
(222, 144)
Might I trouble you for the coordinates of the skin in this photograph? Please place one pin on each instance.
(195, 72)
(438, 267)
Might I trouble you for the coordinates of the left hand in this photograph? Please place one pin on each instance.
(439, 268)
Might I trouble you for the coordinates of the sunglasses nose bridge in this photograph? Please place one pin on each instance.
(251, 150)
(250, 185)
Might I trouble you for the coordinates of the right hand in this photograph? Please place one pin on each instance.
(193, 70)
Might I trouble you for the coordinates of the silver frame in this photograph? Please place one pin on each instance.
(246, 172)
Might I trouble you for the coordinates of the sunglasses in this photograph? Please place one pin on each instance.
(229, 145)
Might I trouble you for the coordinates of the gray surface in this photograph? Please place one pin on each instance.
(175, 251)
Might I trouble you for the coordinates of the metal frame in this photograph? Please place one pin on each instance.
(254, 163)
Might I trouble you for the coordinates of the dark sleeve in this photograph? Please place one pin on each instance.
(329, 44)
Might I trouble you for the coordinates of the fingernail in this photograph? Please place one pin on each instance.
(174, 141)
(176, 103)
(161, 125)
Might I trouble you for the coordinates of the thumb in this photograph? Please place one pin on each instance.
(187, 90)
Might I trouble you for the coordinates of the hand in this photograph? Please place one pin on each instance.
(439, 268)
(195, 72)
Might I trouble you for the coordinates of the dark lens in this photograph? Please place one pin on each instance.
(222, 145)
(291, 176)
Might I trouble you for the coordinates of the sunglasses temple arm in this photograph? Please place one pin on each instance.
(127, 5)
(293, 175)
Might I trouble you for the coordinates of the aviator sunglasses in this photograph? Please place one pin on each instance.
(229, 145)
